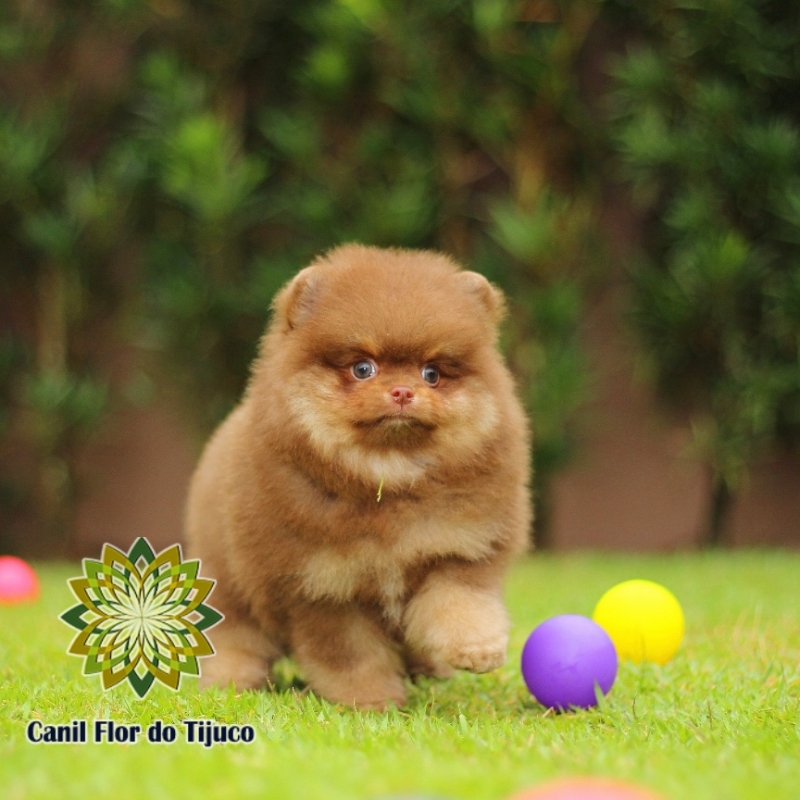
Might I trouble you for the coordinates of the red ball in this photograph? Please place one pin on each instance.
(586, 789)
(18, 581)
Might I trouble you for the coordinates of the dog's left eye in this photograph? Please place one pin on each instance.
(430, 375)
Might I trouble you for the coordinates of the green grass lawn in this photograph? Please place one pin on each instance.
(722, 720)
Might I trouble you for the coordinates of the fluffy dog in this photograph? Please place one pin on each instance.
(360, 506)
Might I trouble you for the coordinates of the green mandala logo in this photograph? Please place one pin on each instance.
(141, 617)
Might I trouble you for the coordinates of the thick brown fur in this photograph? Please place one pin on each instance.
(364, 536)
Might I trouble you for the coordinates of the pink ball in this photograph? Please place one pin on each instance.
(18, 581)
(586, 789)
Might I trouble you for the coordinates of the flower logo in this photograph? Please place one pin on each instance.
(141, 617)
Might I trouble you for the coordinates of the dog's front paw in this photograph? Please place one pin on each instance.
(458, 626)
(482, 655)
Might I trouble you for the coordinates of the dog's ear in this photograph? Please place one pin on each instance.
(488, 295)
(295, 302)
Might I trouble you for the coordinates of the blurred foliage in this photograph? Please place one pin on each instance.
(707, 129)
(166, 165)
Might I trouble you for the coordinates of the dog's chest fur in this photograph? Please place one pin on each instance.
(380, 572)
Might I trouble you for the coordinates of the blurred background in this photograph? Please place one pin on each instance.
(628, 172)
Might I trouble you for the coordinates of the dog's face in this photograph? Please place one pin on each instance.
(388, 359)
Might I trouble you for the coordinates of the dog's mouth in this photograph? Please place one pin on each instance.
(400, 421)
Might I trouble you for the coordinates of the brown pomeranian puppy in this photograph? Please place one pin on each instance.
(360, 506)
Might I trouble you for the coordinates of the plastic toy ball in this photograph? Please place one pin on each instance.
(18, 581)
(586, 789)
(566, 660)
(644, 620)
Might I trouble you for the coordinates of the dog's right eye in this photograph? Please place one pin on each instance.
(363, 370)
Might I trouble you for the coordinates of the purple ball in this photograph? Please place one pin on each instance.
(565, 658)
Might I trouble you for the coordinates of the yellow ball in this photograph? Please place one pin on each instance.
(644, 620)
